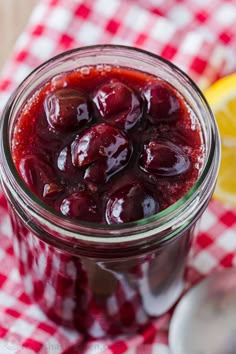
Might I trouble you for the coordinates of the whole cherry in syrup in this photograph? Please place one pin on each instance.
(102, 147)
(67, 109)
(163, 105)
(164, 159)
(131, 202)
(118, 104)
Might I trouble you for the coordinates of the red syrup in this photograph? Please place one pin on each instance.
(108, 147)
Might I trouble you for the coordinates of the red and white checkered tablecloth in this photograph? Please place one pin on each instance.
(197, 35)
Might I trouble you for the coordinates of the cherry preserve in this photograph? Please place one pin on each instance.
(108, 146)
(108, 158)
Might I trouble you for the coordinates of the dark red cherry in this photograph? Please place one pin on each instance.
(118, 104)
(67, 109)
(80, 205)
(39, 176)
(164, 159)
(130, 203)
(102, 143)
(163, 105)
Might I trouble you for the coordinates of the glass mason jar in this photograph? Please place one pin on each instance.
(105, 279)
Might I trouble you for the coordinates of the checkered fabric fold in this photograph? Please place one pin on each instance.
(197, 35)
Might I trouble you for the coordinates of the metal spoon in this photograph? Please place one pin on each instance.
(204, 321)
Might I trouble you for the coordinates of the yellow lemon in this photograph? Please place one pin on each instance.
(221, 97)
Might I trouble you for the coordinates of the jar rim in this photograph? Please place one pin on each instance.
(162, 220)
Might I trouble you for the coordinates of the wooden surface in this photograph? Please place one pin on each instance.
(14, 15)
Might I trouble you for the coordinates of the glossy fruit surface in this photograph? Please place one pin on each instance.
(118, 104)
(102, 144)
(163, 104)
(130, 203)
(164, 159)
(39, 176)
(80, 205)
(67, 109)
